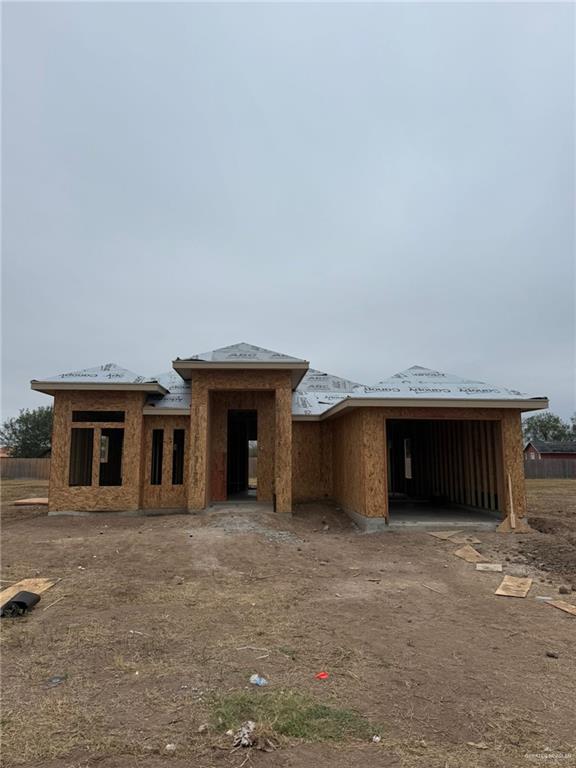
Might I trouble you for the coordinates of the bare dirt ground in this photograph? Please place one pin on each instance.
(160, 621)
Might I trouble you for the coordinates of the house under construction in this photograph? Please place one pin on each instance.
(182, 440)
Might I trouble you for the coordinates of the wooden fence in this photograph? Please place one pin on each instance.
(550, 469)
(20, 469)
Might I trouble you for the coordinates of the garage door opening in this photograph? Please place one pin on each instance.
(241, 471)
(438, 468)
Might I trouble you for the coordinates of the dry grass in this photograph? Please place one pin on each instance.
(551, 497)
(160, 631)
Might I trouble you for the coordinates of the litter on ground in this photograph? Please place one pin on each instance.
(514, 586)
(490, 567)
(26, 585)
(443, 535)
(21, 603)
(258, 680)
(469, 554)
(564, 606)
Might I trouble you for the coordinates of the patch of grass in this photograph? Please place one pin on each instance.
(290, 714)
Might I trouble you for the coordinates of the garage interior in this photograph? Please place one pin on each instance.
(438, 468)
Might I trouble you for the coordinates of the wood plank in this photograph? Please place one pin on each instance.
(26, 585)
(491, 467)
(469, 554)
(484, 454)
(32, 502)
(490, 567)
(513, 586)
(443, 535)
(564, 606)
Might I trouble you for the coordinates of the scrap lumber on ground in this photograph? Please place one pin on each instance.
(514, 586)
(26, 585)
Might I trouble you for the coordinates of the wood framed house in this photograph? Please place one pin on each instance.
(181, 440)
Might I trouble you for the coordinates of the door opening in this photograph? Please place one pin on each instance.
(241, 470)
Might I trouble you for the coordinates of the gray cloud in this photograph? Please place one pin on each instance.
(366, 186)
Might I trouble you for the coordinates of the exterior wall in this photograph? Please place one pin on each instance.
(204, 385)
(311, 460)
(513, 463)
(343, 458)
(62, 497)
(220, 403)
(166, 495)
(359, 462)
(359, 457)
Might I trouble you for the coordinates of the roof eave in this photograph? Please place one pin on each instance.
(49, 387)
(298, 368)
(529, 404)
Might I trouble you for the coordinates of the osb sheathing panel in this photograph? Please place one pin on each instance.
(263, 403)
(375, 471)
(166, 495)
(488, 455)
(311, 460)
(348, 462)
(62, 497)
(513, 463)
(283, 450)
(205, 382)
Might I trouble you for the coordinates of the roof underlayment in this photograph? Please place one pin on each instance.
(316, 393)
(109, 373)
(238, 353)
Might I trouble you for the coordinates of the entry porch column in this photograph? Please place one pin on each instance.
(197, 484)
(374, 452)
(283, 450)
(512, 487)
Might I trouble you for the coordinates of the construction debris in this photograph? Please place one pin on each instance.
(469, 554)
(20, 604)
(514, 586)
(491, 567)
(244, 736)
(564, 606)
(33, 502)
(258, 680)
(55, 680)
(443, 535)
(26, 585)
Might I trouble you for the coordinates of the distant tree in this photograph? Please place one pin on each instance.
(29, 434)
(547, 426)
(573, 422)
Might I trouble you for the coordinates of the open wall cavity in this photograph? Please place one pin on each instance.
(445, 461)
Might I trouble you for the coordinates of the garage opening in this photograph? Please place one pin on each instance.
(241, 470)
(439, 467)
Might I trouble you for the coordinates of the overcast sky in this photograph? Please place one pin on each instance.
(366, 186)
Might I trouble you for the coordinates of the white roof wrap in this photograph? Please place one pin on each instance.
(179, 393)
(109, 373)
(318, 381)
(316, 393)
(315, 403)
(244, 353)
(418, 382)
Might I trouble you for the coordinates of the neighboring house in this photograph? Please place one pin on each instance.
(550, 449)
(180, 440)
(4, 452)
